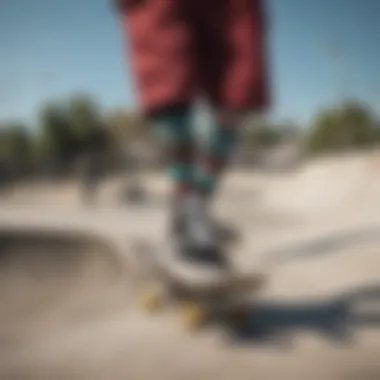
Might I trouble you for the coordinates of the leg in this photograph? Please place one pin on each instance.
(214, 160)
(189, 230)
(220, 146)
(174, 134)
(232, 72)
(161, 43)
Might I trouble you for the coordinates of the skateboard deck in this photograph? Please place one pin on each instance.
(202, 293)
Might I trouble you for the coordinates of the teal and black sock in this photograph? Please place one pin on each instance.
(213, 160)
(172, 127)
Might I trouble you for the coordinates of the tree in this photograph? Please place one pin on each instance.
(16, 148)
(85, 122)
(349, 126)
(360, 124)
(56, 139)
(377, 133)
(325, 134)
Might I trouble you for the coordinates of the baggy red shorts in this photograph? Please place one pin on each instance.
(184, 49)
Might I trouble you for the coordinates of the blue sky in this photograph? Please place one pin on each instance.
(51, 48)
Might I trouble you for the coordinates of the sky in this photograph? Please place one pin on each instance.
(319, 50)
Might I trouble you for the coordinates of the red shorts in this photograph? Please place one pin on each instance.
(184, 49)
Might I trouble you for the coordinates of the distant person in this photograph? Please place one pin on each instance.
(90, 175)
(183, 50)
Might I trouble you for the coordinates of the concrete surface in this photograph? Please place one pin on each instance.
(68, 311)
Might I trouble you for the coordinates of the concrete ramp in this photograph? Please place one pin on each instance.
(66, 310)
(326, 186)
(49, 281)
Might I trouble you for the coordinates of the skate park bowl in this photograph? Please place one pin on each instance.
(53, 279)
(67, 310)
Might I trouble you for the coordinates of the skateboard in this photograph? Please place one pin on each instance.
(200, 296)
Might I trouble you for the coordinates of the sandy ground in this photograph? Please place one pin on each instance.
(68, 310)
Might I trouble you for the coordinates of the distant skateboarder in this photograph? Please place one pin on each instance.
(183, 50)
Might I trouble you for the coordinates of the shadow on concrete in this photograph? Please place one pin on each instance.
(337, 319)
(323, 245)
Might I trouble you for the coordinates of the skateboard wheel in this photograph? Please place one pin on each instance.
(193, 316)
(151, 299)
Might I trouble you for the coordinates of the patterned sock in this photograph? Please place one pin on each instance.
(173, 129)
(213, 160)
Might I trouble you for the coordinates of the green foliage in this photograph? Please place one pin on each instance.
(68, 128)
(15, 148)
(347, 127)
(56, 138)
(377, 133)
(15, 142)
(84, 121)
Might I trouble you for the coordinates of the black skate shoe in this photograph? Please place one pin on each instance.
(193, 235)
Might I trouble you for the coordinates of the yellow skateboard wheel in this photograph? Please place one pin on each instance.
(193, 315)
(151, 299)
